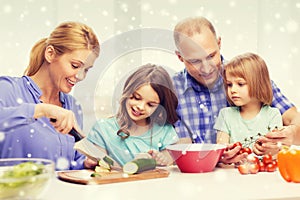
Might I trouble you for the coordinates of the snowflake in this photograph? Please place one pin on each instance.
(62, 163)
(19, 100)
(104, 13)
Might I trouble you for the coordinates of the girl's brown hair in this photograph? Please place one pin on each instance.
(161, 82)
(253, 69)
(66, 37)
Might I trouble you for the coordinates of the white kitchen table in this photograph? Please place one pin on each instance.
(220, 184)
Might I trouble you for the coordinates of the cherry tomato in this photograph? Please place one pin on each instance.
(262, 167)
(253, 168)
(252, 159)
(236, 144)
(245, 150)
(271, 167)
(267, 158)
(243, 169)
(274, 162)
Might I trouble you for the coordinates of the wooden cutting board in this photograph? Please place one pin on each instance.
(84, 176)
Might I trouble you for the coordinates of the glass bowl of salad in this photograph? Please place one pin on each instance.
(24, 178)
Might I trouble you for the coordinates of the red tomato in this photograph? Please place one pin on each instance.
(252, 159)
(236, 144)
(262, 167)
(245, 150)
(271, 167)
(274, 162)
(253, 168)
(267, 159)
(243, 169)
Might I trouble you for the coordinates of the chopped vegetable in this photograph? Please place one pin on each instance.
(101, 169)
(95, 174)
(29, 177)
(106, 163)
(103, 164)
(109, 160)
(23, 170)
(139, 165)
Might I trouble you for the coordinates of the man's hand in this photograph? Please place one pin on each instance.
(265, 146)
(271, 143)
(284, 135)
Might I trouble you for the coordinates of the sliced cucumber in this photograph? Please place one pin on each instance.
(101, 169)
(95, 174)
(108, 160)
(104, 164)
(139, 165)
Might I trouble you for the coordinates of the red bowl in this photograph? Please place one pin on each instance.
(196, 158)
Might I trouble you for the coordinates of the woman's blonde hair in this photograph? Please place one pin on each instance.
(161, 82)
(65, 38)
(253, 69)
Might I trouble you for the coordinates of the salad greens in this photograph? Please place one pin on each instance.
(23, 179)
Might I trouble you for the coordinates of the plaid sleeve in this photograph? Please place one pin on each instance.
(279, 100)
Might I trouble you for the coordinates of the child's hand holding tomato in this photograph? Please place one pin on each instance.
(233, 154)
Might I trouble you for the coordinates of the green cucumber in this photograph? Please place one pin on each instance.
(108, 160)
(95, 174)
(139, 165)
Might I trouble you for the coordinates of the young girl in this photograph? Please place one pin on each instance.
(143, 123)
(248, 89)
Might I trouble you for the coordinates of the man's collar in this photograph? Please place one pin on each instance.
(192, 83)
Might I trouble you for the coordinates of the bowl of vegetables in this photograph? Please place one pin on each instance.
(196, 158)
(24, 178)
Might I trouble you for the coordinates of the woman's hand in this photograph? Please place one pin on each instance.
(89, 163)
(63, 120)
(231, 155)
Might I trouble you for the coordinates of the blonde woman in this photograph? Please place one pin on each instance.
(57, 63)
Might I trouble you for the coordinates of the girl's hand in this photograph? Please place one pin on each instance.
(160, 158)
(231, 155)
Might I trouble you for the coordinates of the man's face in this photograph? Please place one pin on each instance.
(201, 57)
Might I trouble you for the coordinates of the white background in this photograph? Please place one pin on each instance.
(267, 27)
